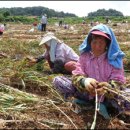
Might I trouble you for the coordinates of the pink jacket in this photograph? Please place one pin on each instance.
(98, 68)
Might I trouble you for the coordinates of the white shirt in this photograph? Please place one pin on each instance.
(64, 52)
(44, 20)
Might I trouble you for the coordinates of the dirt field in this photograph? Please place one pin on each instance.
(52, 112)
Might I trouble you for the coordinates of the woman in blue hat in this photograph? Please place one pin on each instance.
(100, 65)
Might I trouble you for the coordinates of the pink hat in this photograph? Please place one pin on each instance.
(100, 33)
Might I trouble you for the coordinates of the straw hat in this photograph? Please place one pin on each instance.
(47, 37)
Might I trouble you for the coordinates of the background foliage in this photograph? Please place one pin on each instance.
(33, 14)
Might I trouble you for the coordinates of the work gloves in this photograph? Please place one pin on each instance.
(91, 84)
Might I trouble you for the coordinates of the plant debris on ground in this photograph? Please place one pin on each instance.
(28, 98)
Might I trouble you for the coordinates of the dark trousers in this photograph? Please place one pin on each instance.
(58, 67)
(43, 27)
(60, 23)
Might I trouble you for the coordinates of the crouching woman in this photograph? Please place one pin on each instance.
(60, 57)
(99, 69)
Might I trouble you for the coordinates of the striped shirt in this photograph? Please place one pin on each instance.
(98, 68)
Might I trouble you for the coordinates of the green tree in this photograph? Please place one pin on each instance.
(103, 12)
(6, 14)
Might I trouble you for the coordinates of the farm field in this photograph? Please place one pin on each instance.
(28, 99)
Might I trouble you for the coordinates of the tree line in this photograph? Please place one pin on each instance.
(35, 11)
(103, 12)
(18, 14)
(38, 11)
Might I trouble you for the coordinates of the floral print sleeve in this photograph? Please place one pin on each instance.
(77, 81)
(116, 86)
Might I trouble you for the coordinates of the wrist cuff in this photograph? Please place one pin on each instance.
(82, 82)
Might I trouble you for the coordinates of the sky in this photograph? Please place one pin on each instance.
(79, 8)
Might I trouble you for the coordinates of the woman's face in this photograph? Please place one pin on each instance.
(98, 45)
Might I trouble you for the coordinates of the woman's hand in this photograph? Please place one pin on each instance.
(31, 61)
(90, 85)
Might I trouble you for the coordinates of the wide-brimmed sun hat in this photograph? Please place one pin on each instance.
(97, 32)
(47, 37)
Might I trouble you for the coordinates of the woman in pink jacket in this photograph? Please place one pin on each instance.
(100, 65)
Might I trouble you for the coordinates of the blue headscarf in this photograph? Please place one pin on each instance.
(114, 54)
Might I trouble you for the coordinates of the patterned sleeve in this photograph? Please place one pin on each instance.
(115, 86)
(78, 82)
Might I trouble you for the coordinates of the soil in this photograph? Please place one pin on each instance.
(48, 116)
